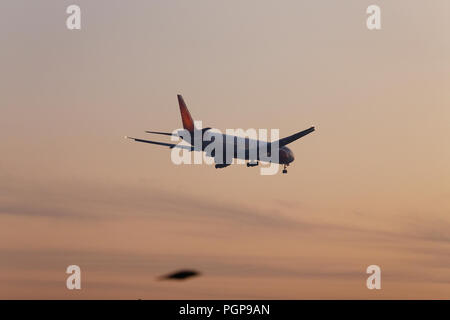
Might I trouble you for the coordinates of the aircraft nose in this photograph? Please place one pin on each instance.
(286, 155)
(291, 156)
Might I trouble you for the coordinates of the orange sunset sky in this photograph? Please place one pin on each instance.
(370, 186)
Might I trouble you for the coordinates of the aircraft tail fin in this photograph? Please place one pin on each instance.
(188, 122)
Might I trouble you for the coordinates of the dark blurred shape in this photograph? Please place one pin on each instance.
(180, 275)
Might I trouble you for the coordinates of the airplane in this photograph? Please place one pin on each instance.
(285, 158)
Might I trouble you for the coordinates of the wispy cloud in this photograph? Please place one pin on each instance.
(116, 202)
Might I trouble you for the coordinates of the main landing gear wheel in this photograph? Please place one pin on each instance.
(252, 164)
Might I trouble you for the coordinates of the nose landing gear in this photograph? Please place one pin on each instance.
(284, 168)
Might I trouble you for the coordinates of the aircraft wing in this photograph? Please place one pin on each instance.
(170, 145)
(292, 138)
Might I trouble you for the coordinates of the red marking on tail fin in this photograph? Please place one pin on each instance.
(188, 123)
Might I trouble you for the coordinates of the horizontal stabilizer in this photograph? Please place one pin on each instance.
(163, 133)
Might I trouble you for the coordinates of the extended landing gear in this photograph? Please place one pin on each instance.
(252, 164)
(284, 168)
